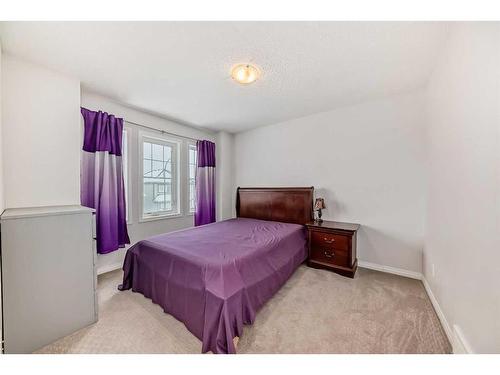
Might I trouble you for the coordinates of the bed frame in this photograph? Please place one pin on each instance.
(285, 204)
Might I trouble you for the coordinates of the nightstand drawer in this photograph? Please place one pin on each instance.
(329, 240)
(332, 246)
(331, 256)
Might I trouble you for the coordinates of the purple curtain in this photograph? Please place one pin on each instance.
(205, 183)
(102, 185)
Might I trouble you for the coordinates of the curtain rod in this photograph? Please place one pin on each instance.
(159, 130)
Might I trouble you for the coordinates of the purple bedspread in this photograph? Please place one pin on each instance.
(215, 277)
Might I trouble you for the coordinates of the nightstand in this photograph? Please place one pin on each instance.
(332, 245)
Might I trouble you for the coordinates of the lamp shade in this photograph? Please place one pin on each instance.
(319, 204)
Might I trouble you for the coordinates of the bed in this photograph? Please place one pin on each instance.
(215, 277)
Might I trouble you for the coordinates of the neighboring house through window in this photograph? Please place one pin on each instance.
(192, 159)
(159, 177)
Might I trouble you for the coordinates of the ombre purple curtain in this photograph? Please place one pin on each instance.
(102, 185)
(205, 183)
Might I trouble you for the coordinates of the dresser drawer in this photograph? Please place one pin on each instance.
(329, 240)
(331, 256)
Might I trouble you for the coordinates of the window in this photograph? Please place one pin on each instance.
(125, 169)
(192, 176)
(159, 177)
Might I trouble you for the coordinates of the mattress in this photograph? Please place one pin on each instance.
(215, 277)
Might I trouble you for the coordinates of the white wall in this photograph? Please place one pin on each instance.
(2, 204)
(2, 198)
(42, 140)
(225, 173)
(41, 136)
(139, 230)
(366, 161)
(463, 230)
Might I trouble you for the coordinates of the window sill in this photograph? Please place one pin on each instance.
(160, 217)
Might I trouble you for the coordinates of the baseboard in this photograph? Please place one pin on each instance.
(388, 269)
(442, 318)
(109, 268)
(455, 336)
(460, 345)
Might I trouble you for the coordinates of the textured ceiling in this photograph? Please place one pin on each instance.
(181, 69)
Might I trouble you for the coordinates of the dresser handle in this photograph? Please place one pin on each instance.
(329, 254)
(328, 241)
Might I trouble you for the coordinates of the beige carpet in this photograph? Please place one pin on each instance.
(315, 312)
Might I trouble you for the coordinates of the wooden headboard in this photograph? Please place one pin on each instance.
(288, 205)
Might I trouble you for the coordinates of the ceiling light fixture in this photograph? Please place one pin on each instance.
(245, 73)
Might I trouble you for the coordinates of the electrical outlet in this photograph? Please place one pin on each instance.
(433, 270)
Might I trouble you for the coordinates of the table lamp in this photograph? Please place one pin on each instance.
(318, 206)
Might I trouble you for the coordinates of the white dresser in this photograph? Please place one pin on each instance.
(48, 275)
